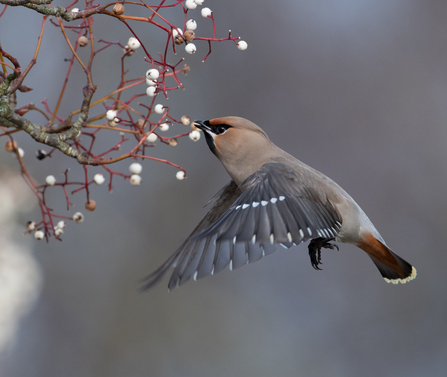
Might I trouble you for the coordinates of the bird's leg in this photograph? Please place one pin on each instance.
(315, 246)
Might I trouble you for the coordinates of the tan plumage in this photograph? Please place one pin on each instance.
(273, 199)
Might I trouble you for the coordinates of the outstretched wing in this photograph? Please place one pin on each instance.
(275, 205)
(221, 202)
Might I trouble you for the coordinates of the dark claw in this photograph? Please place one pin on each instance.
(315, 246)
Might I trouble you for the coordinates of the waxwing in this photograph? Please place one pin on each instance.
(272, 199)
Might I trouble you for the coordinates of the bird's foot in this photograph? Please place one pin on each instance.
(315, 250)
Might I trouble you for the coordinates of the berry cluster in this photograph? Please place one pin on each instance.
(134, 125)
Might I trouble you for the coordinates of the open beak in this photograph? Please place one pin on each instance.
(203, 125)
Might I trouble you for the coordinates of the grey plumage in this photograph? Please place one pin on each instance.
(272, 199)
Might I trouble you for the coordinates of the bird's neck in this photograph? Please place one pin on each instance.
(243, 163)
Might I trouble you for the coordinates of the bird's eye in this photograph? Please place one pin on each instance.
(221, 129)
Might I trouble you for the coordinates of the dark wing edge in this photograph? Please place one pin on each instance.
(221, 202)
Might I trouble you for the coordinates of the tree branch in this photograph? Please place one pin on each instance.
(42, 7)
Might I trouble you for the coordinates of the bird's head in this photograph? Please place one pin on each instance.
(230, 135)
(238, 143)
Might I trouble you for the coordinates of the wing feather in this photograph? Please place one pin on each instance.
(275, 205)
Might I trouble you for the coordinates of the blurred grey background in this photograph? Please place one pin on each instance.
(355, 88)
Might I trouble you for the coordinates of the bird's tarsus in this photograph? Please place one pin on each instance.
(315, 246)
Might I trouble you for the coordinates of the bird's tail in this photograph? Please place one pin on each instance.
(393, 268)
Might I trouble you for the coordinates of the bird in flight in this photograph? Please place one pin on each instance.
(272, 199)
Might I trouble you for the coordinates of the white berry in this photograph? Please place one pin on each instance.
(50, 180)
(74, 10)
(61, 224)
(151, 91)
(99, 179)
(135, 180)
(191, 25)
(190, 48)
(83, 41)
(206, 12)
(152, 74)
(176, 31)
(58, 232)
(180, 175)
(159, 108)
(135, 168)
(194, 135)
(111, 115)
(164, 127)
(21, 152)
(151, 82)
(31, 225)
(190, 4)
(133, 43)
(152, 138)
(199, 2)
(78, 217)
(38, 234)
(242, 45)
(186, 120)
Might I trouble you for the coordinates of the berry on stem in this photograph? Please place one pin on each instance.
(10, 146)
(206, 12)
(133, 43)
(41, 154)
(118, 9)
(82, 41)
(191, 48)
(186, 120)
(152, 74)
(90, 205)
(141, 123)
(189, 35)
(180, 175)
(176, 32)
(158, 108)
(31, 225)
(135, 180)
(78, 217)
(242, 45)
(178, 40)
(99, 179)
(38, 234)
(111, 115)
(50, 180)
(164, 127)
(194, 135)
(135, 168)
(191, 24)
(152, 138)
(190, 4)
(151, 91)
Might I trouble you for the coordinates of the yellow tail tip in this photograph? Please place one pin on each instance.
(403, 281)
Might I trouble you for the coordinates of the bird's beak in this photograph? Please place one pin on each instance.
(202, 124)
